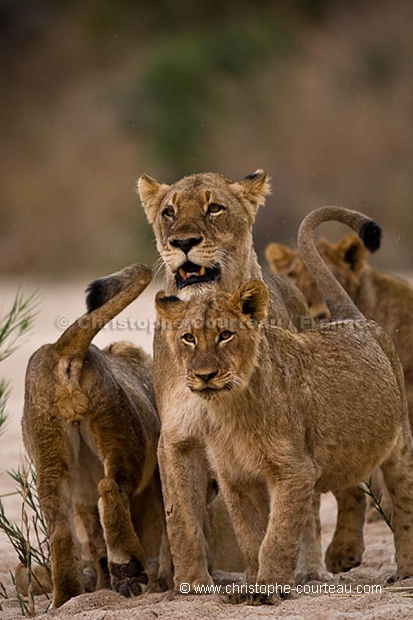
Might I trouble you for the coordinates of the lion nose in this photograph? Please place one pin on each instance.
(185, 244)
(206, 376)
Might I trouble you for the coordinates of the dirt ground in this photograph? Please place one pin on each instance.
(61, 304)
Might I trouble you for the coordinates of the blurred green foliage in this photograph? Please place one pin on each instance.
(173, 100)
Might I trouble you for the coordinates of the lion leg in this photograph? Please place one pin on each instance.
(398, 475)
(126, 558)
(148, 518)
(95, 553)
(290, 504)
(247, 504)
(291, 500)
(347, 547)
(310, 560)
(54, 467)
(184, 473)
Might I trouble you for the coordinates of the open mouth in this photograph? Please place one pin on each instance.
(189, 274)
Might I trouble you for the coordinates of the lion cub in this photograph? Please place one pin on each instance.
(384, 298)
(288, 416)
(91, 428)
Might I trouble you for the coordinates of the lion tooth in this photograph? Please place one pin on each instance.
(202, 271)
(182, 272)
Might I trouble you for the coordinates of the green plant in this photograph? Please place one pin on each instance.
(13, 325)
(28, 552)
(368, 490)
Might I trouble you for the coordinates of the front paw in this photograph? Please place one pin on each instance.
(303, 577)
(129, 579)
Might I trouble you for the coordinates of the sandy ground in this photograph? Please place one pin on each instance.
(61, 304)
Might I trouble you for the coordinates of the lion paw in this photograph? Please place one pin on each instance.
(398, 576)
(129, 579)
(303, 577)
(342, 558)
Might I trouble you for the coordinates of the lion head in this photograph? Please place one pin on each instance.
(346, 259)
(216, 336)
(203, 228)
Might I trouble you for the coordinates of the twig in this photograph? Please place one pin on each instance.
(368, 490)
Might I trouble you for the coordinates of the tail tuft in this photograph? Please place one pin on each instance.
(135, 278)
(100, 291)
(370, 233)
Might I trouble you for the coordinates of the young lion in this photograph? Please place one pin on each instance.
(288, 416)
(91, 428)
(384, 298)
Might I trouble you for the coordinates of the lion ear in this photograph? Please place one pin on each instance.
(280, 257)
(252, 190)
(251, 299)
(151, 194)
(352, 251)
(169, 306)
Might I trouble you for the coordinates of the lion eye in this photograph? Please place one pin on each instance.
(169, 211)
(188, 338)
(225, 336)
(214, 208)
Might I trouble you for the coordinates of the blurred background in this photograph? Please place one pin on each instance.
(96, 92)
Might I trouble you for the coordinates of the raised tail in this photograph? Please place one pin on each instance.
(341, 306)
(106, 298)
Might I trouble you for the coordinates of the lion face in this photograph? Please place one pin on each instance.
(203, 226)
(216, 336)
(346, 259)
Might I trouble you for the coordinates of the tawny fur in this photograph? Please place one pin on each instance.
(384, 298)
(287, 416)
(91, 428)
(205, 219)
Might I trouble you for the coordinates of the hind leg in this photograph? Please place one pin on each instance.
(55, 464)
(398, 475)
(126, 558)
(347, 547)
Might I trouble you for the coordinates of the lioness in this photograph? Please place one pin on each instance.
(91, 428)
(293, 414)
(203, 228)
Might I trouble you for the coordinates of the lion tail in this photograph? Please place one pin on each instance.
(105, 298)
(339, 303)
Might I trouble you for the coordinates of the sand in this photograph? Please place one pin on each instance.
(60, 304)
